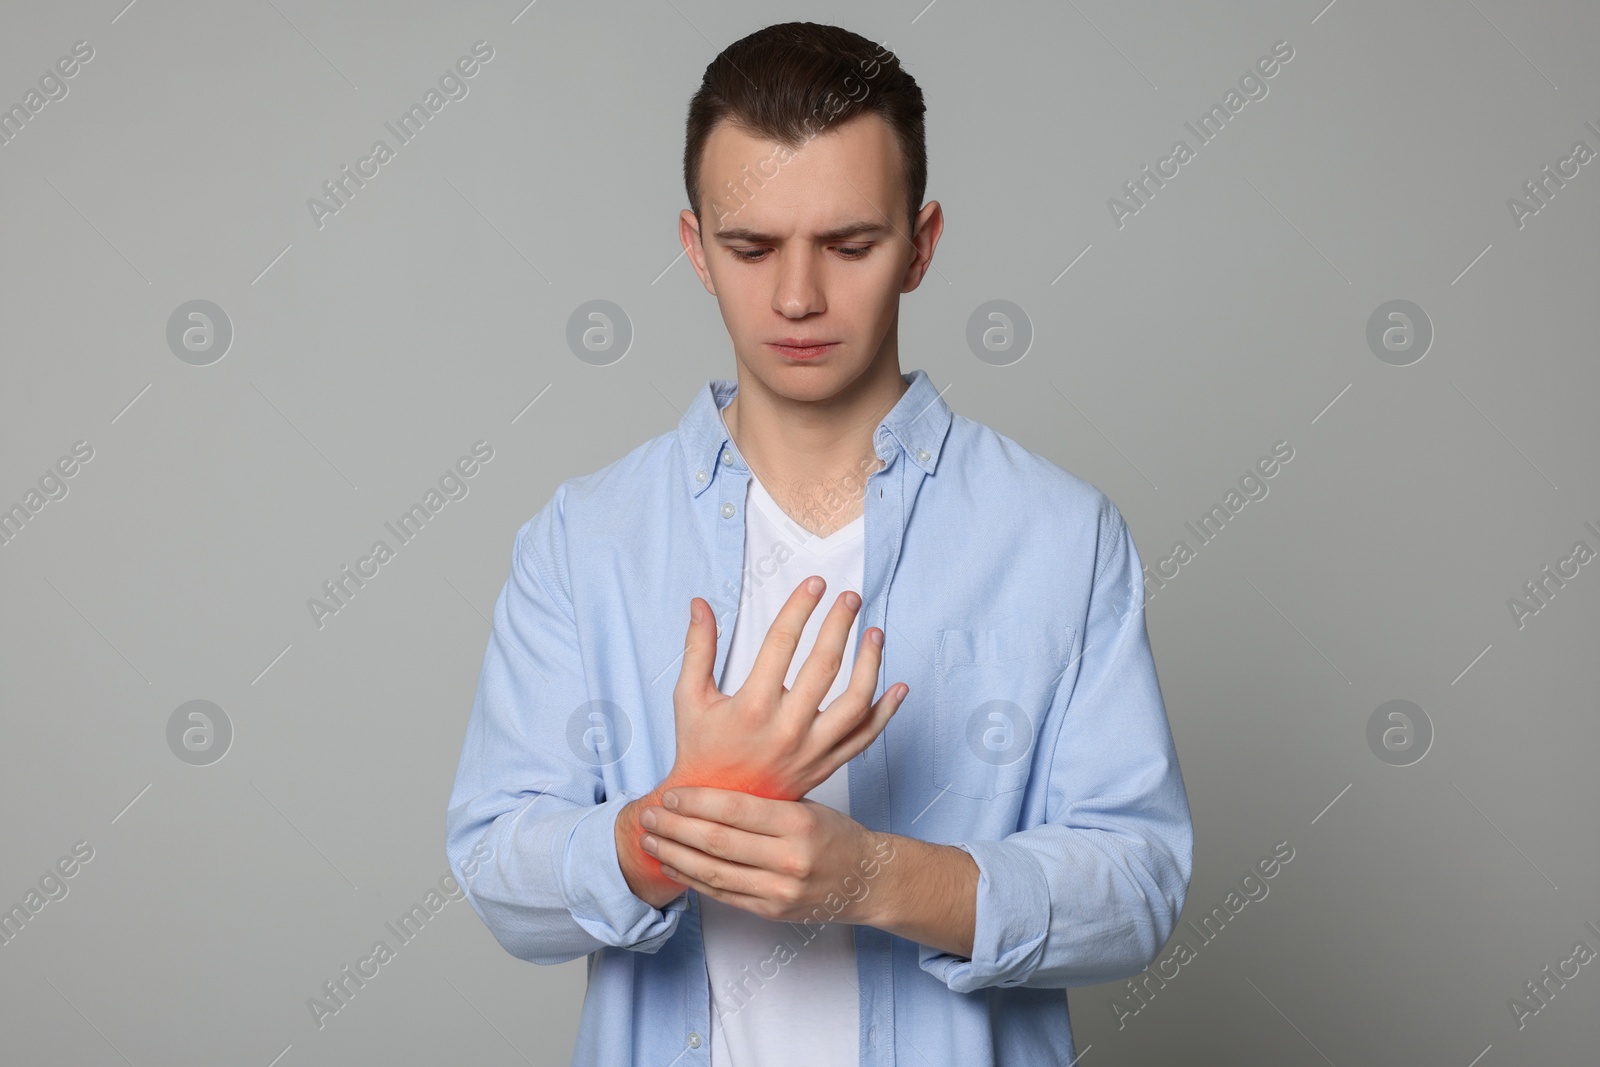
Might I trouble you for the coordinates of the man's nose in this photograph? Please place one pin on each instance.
(799, 290)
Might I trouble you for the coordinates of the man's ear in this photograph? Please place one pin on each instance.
(929, 225)
(689, 234)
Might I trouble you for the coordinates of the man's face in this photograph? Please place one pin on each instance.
(814, 247)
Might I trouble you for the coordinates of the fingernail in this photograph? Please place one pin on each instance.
(877, 637)
(694, 610)
(649, 842)
(815, 585)
(670, 800)
(852, 600)
(648, 819)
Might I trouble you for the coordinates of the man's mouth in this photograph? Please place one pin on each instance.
(801, 347)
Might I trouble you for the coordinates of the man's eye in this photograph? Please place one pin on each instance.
(849, 252)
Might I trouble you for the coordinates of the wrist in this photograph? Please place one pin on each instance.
(641, 870)
(883, 859)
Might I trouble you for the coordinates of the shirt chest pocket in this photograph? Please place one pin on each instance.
(992, 688)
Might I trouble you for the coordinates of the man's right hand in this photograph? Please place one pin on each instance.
(766, 739)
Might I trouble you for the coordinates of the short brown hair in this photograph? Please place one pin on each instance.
(776, 82)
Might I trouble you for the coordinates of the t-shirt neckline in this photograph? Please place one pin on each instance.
(812, 543)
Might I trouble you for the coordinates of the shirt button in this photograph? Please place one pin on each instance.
(727, 457)
(694, 1039)
(922, 455)
(699, 476)
(727, 511)
(872, 1034)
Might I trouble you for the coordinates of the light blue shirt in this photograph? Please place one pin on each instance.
(1034, 736)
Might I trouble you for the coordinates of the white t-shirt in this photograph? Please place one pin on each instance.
(785, 994)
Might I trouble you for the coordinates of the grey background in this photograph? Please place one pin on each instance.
(368, 355)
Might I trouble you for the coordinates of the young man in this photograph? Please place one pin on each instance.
(892, 831)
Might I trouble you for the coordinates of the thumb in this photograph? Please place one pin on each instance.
(699, 650)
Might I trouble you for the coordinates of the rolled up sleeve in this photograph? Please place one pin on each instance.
(1092, 893)
(530, 829)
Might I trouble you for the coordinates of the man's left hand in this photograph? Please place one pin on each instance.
(784, 860)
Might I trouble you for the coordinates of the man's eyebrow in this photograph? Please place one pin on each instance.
(838, 233)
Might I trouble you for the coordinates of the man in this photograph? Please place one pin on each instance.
(892, 831)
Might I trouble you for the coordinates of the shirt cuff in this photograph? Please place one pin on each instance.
(597, 893)
(1011, 922)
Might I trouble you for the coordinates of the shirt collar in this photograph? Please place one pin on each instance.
(917, 425)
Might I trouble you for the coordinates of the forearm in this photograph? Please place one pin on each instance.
(928, 894)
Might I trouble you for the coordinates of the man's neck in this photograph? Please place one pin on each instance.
(814, 457)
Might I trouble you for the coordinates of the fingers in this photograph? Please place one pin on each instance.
(783, 637)
(851, 707)
(695, 677)
(856, 741)
(821, 667)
